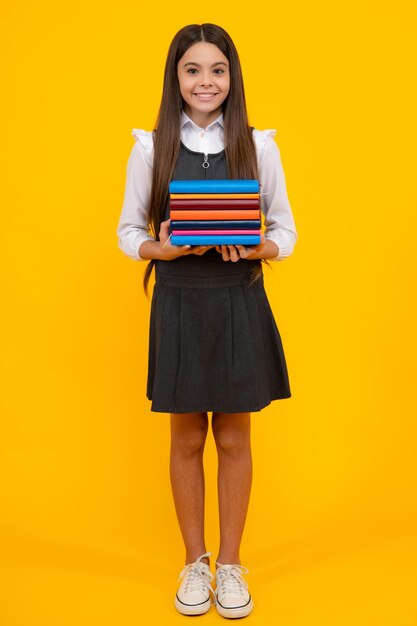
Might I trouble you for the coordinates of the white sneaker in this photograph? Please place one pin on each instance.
(232, 597)
(193, 595)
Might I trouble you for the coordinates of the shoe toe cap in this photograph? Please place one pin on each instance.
(192, 597)
(234, 600)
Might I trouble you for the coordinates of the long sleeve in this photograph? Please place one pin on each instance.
(133, 229)
(279, 220)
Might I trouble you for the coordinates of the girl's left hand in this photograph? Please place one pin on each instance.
(234, 253)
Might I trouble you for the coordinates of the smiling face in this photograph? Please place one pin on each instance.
(204, 79)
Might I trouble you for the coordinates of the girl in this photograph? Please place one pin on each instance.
(214, 345)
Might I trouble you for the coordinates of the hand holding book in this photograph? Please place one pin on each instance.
(267, 249)
(170, 251)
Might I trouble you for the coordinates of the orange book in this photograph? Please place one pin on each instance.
(233, 214)
(214, 196)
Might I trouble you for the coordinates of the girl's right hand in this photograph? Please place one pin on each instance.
(172, 252)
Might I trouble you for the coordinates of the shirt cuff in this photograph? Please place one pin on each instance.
(285, 242)
(131, 243)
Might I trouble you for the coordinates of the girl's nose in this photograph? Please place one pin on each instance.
(206, 81)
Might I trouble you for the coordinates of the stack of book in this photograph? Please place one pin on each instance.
(215, 212)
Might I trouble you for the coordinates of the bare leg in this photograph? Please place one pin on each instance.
(188, 437)
(232, 436)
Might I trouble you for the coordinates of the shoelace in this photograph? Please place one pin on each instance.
(197, 575)
(230, 579)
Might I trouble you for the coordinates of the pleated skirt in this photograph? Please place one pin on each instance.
(214, 344)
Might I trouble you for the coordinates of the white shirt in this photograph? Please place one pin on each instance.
(133, 229)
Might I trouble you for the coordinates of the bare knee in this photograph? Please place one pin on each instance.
(231, 432)
(188, 432)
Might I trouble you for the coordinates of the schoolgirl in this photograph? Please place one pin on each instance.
(214, 345)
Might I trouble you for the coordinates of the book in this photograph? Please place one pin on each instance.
(214, 196)
(214, 204)
(214, 224)
(215, 232)
(209, 214)
(215, 212)
(213, 240)
(214, 186)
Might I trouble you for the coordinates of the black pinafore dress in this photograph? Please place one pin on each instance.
(214, 344)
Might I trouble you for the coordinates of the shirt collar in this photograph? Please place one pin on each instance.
(185, 119)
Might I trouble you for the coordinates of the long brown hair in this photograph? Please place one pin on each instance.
(240, 149)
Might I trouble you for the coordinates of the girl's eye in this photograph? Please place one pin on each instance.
(193, 69)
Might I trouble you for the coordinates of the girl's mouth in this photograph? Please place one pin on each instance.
(205, 97)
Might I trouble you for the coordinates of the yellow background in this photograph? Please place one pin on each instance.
(88, 527)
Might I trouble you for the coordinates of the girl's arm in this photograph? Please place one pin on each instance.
(133, 234)
(280, 232)
(132, 229)
(279, 221)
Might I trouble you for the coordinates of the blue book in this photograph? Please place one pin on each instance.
(214, 186)
(215, 240)
(214, 224)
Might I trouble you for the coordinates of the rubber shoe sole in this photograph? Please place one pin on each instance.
(192, 609)
(239, 611)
